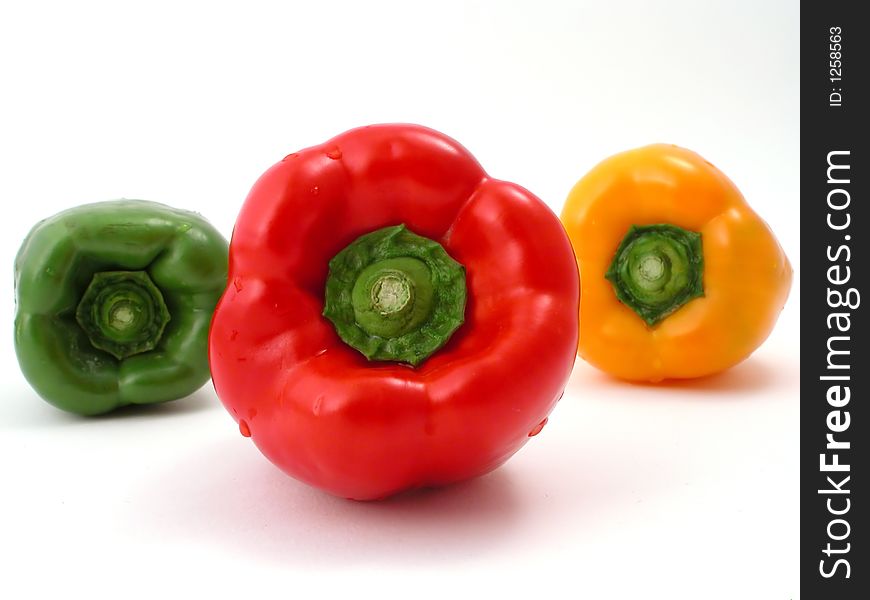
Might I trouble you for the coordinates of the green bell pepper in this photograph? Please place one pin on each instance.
(114, 302)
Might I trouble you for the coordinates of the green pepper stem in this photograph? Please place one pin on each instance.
(395, 296)
(657, 269)
(122, 313)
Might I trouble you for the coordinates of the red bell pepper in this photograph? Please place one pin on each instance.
(394, 317)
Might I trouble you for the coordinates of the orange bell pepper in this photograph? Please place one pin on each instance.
(680, 277)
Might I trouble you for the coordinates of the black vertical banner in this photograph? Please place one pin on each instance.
(835, 222)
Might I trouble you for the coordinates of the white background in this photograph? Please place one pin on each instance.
(676, 491)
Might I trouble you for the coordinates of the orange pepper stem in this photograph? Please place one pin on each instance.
(657, 269)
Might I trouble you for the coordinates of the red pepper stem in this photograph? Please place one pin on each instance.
(395, 296)
(392, 297)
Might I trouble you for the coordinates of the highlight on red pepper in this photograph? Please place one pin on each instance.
(113, 304)
(395, 318)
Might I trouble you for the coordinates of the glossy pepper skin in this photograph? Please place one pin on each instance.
(362, 429)
(746, 276)
(151, 272)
